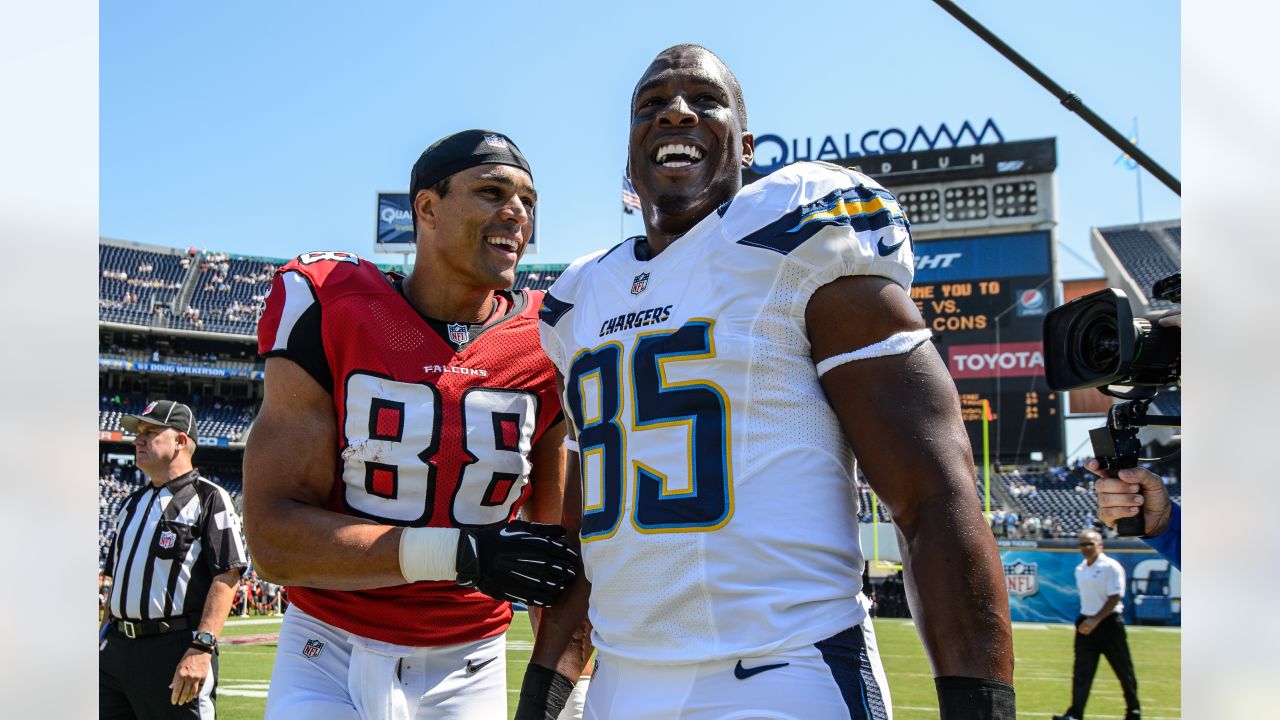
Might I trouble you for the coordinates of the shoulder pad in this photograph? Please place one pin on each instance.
(785, 208)
(565, 287)
(333, 271)
(532, 301)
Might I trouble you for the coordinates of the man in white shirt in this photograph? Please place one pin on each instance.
(1100, 629)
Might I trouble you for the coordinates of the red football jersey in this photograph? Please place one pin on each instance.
(428, 434)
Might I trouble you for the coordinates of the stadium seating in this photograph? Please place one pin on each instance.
(115, 483)
(1143, 256)
(536, 279)
(178, 358)
(110, 411)
(1071, 509)
(213, 420)
(134, 282)
(882, 511)
(224, 421)
(229, 294)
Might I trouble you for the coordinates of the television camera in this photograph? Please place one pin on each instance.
(1095, 341)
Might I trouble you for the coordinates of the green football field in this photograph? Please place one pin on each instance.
(1043, 676)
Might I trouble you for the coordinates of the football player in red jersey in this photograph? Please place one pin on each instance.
(406, 422)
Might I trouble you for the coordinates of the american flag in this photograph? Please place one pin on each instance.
(630, 200)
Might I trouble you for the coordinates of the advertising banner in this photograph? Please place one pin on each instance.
(984, 298)
(982, 258)
(1042, 585)
(395, 224)
(175, 369)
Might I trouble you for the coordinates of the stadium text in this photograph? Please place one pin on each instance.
(1019, 359)
(946, 307)
(395, 215)
(772, 151)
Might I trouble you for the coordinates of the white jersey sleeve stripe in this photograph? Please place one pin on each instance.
(298, 297)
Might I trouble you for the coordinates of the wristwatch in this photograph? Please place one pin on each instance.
(204, 640)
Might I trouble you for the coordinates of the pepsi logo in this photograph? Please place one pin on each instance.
(1032, 299)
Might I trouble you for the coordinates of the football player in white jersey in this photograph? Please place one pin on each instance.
(720, 374)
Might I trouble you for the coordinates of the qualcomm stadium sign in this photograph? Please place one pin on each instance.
(772, 151)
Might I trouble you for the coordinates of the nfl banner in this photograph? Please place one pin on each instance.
(1042, 585)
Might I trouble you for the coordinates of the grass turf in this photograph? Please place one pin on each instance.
(1043, 675)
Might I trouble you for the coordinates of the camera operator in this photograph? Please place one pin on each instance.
(1162, 518)
(1117, 498)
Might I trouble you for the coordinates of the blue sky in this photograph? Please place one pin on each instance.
(267, 128)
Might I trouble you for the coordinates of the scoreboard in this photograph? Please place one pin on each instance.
(985, 297)
(982, 227)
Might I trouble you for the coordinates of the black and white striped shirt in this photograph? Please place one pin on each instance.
(170, 543)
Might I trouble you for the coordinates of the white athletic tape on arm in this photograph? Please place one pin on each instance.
(895, 344)
(571, 445)
(428, 553)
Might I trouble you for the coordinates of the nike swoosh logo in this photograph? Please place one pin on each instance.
(474, 667)
(743, 673)
(886, 250)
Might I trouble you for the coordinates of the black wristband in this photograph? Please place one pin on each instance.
(964, 698)
(543, 694)
(201, 648)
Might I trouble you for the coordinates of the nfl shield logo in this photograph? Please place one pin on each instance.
(313, 648)
(167, 539)
(639, 283)
(458, 334)
(150, 406)
(1022, 579)
(495, 140)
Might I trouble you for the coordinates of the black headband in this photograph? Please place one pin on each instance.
(460, 151)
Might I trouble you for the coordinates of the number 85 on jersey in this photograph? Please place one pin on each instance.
(629, 467)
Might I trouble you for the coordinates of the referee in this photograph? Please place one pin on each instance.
(175, 563)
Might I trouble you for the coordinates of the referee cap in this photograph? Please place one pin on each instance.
(166, 413)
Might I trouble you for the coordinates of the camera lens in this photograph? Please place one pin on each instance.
(1099, 344)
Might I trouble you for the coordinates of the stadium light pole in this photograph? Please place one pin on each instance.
(1068, 99)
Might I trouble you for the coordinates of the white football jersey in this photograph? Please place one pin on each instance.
(719, 511)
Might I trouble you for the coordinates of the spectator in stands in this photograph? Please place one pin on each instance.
(1032, 526)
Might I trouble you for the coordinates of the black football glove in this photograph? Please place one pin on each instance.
(517, 561)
